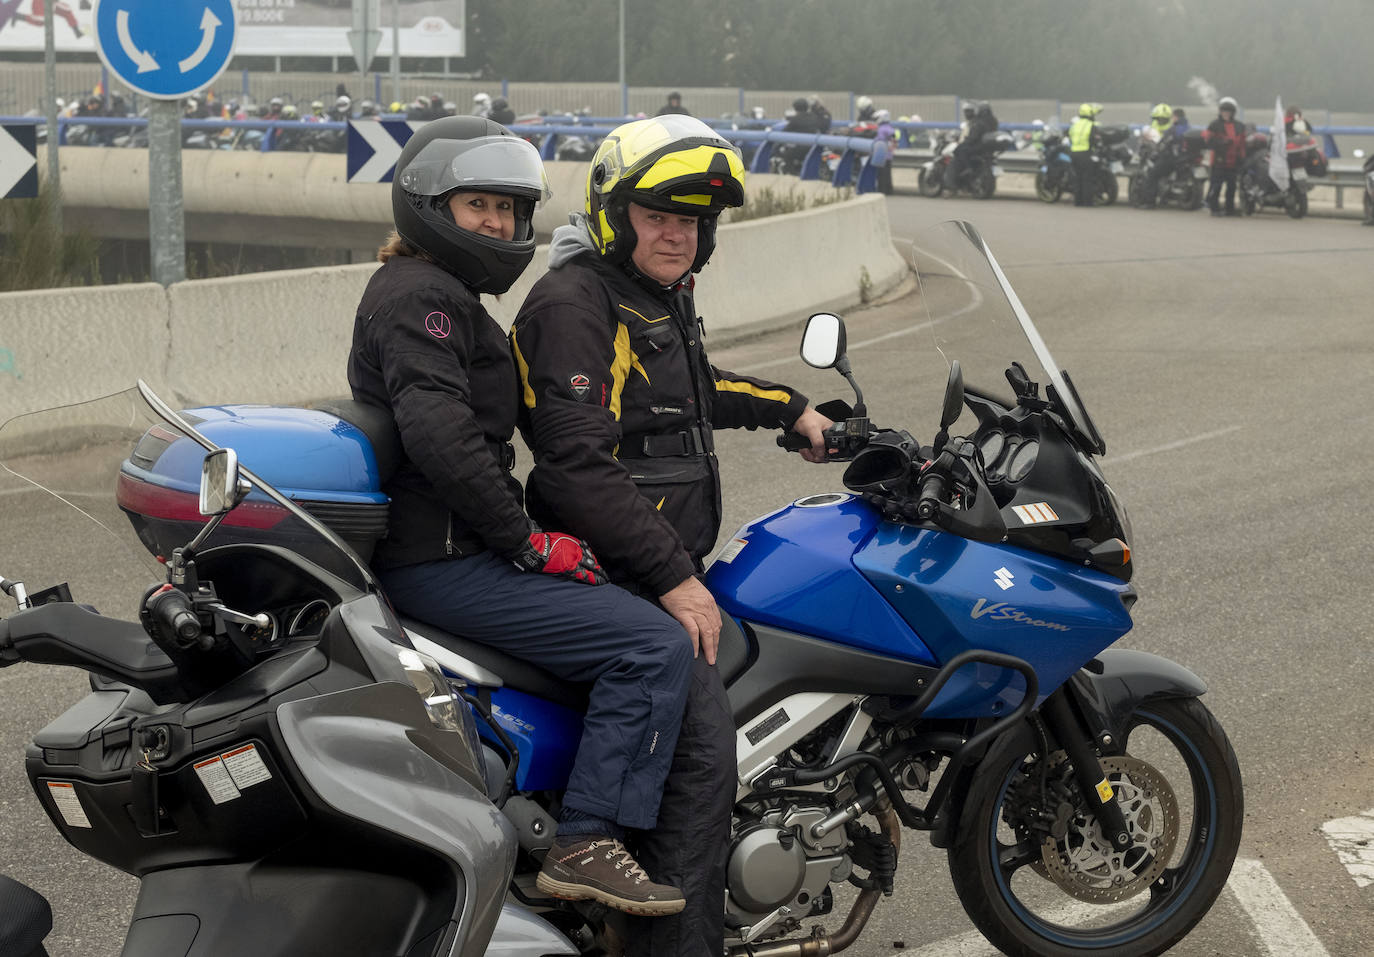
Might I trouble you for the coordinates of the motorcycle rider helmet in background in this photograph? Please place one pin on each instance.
(1161, 118)
(864, 109)
(460, 552)
(481, 104)
(639, 480)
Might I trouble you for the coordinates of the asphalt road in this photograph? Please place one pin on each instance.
(1228, 364)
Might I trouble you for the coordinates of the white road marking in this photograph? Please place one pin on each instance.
(1170, 446)
(1278, 927)
(1352, 838)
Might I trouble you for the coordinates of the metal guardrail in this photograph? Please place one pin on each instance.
(759, 137)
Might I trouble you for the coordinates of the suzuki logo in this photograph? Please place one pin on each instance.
(1003, 578)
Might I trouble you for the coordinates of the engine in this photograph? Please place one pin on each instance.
(779, 873)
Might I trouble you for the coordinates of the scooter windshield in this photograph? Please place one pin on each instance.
(975, 317)
(97, 495)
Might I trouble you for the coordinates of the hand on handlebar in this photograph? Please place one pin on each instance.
(811, 425)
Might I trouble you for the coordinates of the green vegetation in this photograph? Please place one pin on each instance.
(771, 202)
(33, 255)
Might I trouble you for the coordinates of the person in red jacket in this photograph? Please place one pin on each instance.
(1226, 137)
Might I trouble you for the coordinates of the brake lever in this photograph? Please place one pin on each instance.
(260, 620)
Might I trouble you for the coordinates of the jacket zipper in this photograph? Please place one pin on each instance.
(448, 536)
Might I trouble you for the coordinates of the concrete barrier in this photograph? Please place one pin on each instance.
(282, 337)
(59, 346)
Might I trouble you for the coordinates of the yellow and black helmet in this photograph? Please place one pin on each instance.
(672, 163)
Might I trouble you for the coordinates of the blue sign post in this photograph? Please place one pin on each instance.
(165, 50)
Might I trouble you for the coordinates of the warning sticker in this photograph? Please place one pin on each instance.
(731, 551)
(246, 766)
(1104, 790)
(216, 779)
(63, 794)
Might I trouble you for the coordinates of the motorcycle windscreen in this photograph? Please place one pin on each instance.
(97, 495)
(975, 317)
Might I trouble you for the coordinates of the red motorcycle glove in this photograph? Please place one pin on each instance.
(555, 553)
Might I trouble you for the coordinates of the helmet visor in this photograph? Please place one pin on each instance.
(494, 164)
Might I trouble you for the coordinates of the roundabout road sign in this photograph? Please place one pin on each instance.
(165, 50)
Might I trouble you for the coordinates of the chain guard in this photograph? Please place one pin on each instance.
(1086, 866)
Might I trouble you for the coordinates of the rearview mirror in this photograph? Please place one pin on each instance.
(220, 488)
(823, 342)
(954, 396)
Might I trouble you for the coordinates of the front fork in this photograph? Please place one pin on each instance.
(1097, 790)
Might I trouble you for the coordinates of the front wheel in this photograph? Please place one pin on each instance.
(1108, 189)
(1037, 876)
(1046, 189)
(1295, 203)
(1135, 191)
(930, 182)
(1368, 209)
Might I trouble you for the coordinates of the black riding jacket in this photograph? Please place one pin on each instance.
(425, 349)
(618, 404)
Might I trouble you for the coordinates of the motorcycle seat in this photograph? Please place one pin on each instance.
(516, 673)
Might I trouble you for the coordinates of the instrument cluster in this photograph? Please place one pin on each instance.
(1008, 457)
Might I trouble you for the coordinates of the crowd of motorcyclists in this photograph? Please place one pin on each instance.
(1224, 165)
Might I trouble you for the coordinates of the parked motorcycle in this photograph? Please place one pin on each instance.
(1258, 190)
(944, 626)
(980, 172)
(262, 745)
(1184, 186)
(1369, 190)
(1110, 157)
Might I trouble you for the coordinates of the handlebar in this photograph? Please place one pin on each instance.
(174, 611)
(843, 440)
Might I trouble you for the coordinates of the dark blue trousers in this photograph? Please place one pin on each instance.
(638, 657)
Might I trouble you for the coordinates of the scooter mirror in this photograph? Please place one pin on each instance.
(220, 486)
(823, 342)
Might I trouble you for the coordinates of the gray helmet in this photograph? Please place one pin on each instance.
(468, 153)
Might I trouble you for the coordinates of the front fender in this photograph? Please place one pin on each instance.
(1110, 687)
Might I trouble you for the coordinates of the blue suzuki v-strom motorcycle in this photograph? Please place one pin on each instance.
(930, 650)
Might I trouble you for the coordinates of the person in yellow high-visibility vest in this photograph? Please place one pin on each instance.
(1082, 137)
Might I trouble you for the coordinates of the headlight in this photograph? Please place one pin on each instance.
(440, 695)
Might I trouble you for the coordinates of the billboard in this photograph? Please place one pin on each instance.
(429, 28)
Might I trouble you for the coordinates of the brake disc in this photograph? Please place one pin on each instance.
(1085, 864)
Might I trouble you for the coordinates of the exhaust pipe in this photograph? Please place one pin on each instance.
(821, 944)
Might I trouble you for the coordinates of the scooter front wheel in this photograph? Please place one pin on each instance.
(930, 182)
(1038, 877)
(1295, 203)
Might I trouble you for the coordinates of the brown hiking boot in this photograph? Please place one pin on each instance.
(599, 868)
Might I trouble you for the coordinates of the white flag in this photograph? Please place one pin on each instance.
(1278, 148)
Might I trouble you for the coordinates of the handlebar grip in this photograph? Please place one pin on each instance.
(931, 495)
(173, 610)
(793, 441)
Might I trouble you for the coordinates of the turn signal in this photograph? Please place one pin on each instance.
(1111, 552)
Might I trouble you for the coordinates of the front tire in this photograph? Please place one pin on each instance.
(1108, 189)
(930, 182)
(1046, 191)
(1295, 203)
(1179, 786)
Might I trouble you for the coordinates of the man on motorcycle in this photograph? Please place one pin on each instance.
(619, 403)
(1168, 152)
(1083, 137)
(982, 123)
(460, 551)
